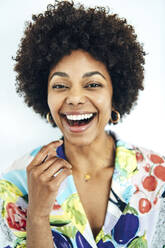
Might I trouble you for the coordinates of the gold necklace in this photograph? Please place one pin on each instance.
(87, 177)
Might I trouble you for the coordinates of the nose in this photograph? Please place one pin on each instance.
(75, 97)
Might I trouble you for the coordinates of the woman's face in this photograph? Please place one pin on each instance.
(80, 97)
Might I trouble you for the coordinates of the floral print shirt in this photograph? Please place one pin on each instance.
(135, 216)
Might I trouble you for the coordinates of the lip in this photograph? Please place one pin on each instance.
(77, 129)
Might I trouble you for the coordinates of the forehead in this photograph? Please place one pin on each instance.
(79, 62)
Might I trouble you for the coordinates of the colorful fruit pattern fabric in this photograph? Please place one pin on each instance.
(135, 215)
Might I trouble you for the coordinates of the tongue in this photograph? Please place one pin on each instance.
(78, 123)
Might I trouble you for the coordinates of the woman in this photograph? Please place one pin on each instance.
(82, 69)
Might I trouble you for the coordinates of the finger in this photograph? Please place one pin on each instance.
(52, 150)
(49, 168)
(45, 151)
(43, 154)
(54, 168)
(37, 170)
(56, 181)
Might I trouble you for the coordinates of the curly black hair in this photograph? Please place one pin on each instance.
(65, 27)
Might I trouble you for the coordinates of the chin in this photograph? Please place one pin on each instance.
(80, 141)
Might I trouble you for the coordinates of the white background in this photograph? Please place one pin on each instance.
(21, 130)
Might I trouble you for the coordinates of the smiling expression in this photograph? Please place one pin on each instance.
(80, 92)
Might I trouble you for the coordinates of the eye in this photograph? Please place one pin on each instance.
(59, 86)
(93, 85)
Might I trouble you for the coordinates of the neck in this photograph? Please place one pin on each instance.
(93, 157)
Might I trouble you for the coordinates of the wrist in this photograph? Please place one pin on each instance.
(37, 219)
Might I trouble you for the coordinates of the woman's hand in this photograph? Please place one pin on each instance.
(43, 184)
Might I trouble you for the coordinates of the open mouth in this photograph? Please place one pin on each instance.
(79, 120)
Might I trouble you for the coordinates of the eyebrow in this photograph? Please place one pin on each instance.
(91, 73)
(87, 74)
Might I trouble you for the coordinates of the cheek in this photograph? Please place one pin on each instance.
(53, 103)
(49, 99)
(105, 101)
(104, 105)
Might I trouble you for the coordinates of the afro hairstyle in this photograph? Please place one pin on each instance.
(66, 26)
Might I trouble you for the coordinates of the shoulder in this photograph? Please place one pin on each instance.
(22, 162)
(148, 156)
(152, 166)
(137, 160)
(142, 154)
(14, 177)
(145, 167)
(16, 173)
(14, 200)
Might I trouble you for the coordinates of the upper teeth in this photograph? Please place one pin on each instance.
(79, 117)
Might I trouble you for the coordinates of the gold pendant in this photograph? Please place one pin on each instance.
(87, 177)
